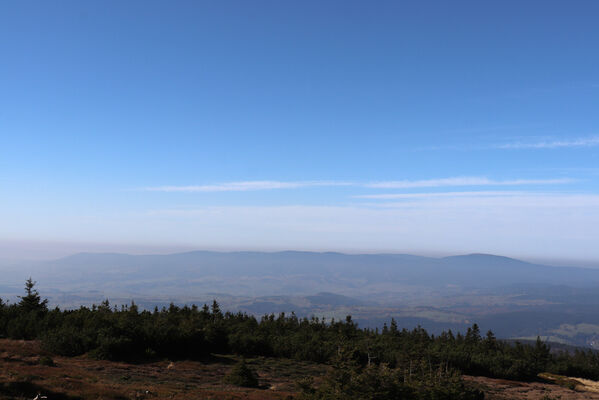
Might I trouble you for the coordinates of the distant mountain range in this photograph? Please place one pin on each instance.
(315, 271)
(512, 297)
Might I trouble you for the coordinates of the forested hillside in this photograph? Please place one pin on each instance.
(513, 298)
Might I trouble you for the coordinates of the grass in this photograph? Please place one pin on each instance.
(564, 381)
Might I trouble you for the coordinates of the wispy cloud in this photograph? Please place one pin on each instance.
(464, 181)
(394, 196)
(553, 144)
(246, 186)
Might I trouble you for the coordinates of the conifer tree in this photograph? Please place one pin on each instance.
(32, 300)
(242, 375)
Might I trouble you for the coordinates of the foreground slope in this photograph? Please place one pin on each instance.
(22, 377)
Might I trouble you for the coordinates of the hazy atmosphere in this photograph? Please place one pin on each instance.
(299, 200)
(426, 128)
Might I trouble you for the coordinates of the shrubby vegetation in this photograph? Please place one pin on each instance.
(369, 363)
(347, 379)
(242, 375)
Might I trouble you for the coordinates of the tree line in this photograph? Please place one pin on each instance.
(191, 332)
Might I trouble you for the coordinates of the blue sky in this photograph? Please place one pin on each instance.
(430, 127)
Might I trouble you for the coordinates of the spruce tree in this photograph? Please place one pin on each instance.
(32, 300)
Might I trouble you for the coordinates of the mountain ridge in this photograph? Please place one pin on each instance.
(331, 269)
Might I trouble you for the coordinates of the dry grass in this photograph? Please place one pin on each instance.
(501, 389)
(581, 384)
(23, 377)
(588, 385)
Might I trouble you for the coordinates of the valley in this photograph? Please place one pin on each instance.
(515, 299)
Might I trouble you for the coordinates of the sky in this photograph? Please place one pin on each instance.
(428, 127)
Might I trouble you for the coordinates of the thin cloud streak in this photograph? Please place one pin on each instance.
(562, 204)
(246, 186)
(581, 142)
(391, 196)
(465, 181)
